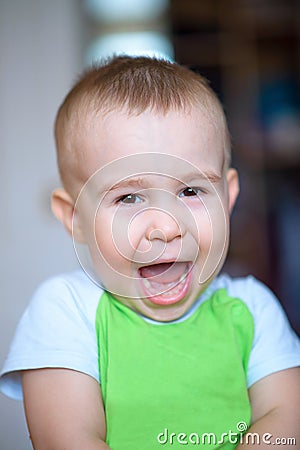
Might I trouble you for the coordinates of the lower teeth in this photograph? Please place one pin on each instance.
(167, 290)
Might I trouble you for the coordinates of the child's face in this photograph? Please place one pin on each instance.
(155, 211)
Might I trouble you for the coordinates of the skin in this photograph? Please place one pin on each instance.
(64, 408)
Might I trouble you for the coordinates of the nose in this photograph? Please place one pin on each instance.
(161, 225)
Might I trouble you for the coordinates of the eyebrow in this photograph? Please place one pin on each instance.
(142, 181)
(127, 182)
(213, 177)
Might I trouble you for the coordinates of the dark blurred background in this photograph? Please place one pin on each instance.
(250, 50)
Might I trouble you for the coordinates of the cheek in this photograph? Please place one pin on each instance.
(202, 226)
(103, 245)
(116, 237)
(212, 220)
(214, 240)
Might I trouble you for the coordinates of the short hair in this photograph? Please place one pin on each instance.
(134, 84)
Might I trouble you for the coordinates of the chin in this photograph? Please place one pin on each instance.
(167, 313)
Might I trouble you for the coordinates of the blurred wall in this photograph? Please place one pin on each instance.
(40, 51)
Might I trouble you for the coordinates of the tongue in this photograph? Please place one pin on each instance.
(164, 272)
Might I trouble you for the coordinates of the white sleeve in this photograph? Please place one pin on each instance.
(56, 330)
(276, 346)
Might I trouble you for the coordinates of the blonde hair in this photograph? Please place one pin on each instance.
(134, 84)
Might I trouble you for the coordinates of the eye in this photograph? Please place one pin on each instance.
(130, 199)
(191, 192)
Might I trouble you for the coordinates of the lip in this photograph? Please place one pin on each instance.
(163, 298)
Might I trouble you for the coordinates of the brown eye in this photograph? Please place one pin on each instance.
(190, 192)
(130, 199)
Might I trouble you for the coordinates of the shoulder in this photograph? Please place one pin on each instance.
(75, 284)
(255, 294)
(61, 305)
(276, 346)
(56, 330)
(260, 300)
(250, 290)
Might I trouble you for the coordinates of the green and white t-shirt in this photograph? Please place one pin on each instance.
(163, 384)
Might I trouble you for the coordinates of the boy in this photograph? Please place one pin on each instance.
(183, 356)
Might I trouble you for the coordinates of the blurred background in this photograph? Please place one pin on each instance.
(248, 49)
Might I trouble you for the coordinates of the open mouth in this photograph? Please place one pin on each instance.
(165, 283)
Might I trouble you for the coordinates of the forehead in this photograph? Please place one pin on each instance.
(110, 142)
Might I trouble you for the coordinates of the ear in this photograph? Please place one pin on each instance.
(233, 187)
(63, 208)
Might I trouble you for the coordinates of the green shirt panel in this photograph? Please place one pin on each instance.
(186, 377)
